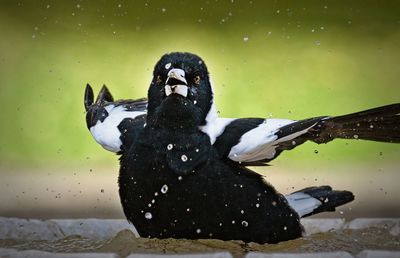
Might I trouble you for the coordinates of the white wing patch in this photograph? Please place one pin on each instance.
(259, 143)
(302, 203)
(215, 128)
(106, 133)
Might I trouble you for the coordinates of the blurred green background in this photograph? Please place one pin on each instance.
(282, 59)
(289, 59)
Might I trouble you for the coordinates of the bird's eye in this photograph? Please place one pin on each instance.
(197, 79)
(159, 79)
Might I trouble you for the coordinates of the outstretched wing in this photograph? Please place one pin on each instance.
(255, 141)
(114, 124)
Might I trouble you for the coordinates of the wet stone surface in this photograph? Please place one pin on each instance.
(331, 236)
(125, 243)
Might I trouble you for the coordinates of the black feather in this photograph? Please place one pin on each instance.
(89, 97)
(104, 96)
(377, 124)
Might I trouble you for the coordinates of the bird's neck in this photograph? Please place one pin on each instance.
(176, 114)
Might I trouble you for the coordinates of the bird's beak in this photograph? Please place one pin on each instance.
(176, 83)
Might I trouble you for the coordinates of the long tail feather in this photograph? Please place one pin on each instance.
(378, 124)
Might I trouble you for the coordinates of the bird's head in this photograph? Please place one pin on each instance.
(180, 89)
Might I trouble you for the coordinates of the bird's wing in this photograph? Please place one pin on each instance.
(250, 141)
(114, 124)
(255, 141)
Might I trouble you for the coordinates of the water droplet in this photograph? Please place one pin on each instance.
(293, 142)
(167, 66)
(149, 205)
(355, 136)
(153, 201)
(316, 151)
(163, 10)
(274, 203)
(148, 215)
(164, 189)
(188, 209)
(198, 231)
(195, 102)
(245, 223)
(233, 222)
(257, 205)
(179, 178)
(285, 228)
(242, 211)
(371, 126)
(170, 146)
(245, 39)
(184, 158)
(155, 194)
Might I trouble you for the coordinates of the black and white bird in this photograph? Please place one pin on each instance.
(183, 169)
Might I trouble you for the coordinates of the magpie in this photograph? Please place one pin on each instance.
(183, 170)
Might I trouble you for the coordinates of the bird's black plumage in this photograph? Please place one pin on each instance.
(182, 168)
(208, 198)
(173, 183)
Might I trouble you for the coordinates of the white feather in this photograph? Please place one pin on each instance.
(258, 143)
(302, 203)
(216, 128)
(106, 133)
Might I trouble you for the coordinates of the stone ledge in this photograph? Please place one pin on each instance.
(300, 255)
(33, 229)
(12, 253)
(390, 224)
(204, 255)
(93, 228)
(312, 226)
(378, 254)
